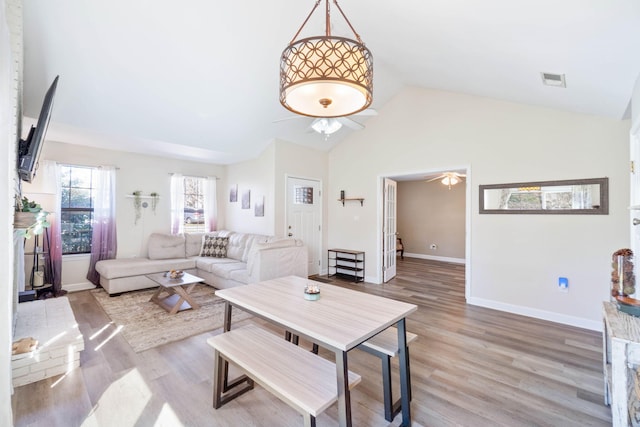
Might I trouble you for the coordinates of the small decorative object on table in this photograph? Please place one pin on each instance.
(174, 274)
(312, 292)
(623, 282)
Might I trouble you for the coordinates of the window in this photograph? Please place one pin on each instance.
(194, 204)
(303, 195)
(76, 208)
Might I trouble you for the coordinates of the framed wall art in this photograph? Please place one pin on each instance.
(259, 206)
(246, 199)
(233, 193)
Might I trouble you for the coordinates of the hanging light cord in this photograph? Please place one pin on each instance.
(346, 19)
(327, 22)
(305, 22)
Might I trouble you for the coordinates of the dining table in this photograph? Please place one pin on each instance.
(339, 320)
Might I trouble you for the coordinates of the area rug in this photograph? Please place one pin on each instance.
(146, 325)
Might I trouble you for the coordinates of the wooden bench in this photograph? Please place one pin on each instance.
(385, 346)
(301, 379)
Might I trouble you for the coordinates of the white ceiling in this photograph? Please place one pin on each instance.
(199, 79)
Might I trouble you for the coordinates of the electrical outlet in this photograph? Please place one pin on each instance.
(563, 284)
(433, 246)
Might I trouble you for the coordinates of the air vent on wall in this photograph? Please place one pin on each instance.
(551, 79)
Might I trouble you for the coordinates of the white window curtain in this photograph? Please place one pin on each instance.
(177, 203)
(103, 237)
(210, 204)
(50, 185)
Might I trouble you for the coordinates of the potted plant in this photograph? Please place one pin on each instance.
(29, 217)
(154, 201)
(137, 204)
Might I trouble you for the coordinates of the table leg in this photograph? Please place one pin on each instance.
(227, 328)
(405, 380)
(184, 296)
(218, 379)
(227, 316)
(344, 396)
(221, 372)
(155, 295)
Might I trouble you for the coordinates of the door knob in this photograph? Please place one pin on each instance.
(290, 234)
(636, 221)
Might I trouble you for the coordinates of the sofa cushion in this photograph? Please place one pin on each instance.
(241, 276)
(125, 267)
(224, 270)
(207, 263)
(166, 246)
(237, 245)
(193, 242)
(214, 246)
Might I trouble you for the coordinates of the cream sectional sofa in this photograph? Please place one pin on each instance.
(250, 258)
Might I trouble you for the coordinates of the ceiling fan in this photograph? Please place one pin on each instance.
(328, 125)
(449, 178)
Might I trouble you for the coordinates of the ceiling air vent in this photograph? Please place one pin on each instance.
(551, 79)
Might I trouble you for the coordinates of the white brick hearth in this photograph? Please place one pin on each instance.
(52, 323)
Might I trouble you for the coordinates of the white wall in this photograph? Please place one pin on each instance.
(515, 259)
(257, 176)
(136, 172)
(266, 175)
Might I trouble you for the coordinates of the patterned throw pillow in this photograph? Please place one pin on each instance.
(214, 246)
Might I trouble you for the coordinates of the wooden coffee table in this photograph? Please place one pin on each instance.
(177, 290)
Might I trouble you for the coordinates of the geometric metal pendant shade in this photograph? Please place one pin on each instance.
(326, 76)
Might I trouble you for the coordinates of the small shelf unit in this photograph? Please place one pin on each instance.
(131, 196)
(41, 264)
(346, 263)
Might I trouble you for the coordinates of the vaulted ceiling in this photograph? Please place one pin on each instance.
(199, 79)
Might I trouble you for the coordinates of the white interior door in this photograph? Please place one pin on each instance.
(304, 217)
(390, 228)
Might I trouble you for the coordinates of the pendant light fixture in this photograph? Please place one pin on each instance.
(326, 76)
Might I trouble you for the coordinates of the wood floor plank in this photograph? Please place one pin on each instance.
(470, 366)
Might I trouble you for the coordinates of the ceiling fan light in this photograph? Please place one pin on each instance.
(326, 126)
(450, 180)
(326, 76)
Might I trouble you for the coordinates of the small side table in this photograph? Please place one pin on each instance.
(177, 290)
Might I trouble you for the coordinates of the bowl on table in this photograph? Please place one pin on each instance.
(174, 274)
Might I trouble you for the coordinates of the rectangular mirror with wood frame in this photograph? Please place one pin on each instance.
(572, 196)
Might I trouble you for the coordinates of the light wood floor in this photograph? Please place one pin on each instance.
(470, 366)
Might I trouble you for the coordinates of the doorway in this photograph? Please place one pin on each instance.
(304, 217)
(421, 239)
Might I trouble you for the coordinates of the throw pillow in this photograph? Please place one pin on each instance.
(214, 246)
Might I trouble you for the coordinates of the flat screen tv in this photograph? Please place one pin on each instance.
(29, 149)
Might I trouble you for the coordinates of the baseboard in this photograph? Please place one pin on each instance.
(76, 287)
(436, 258)
(538, 314)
